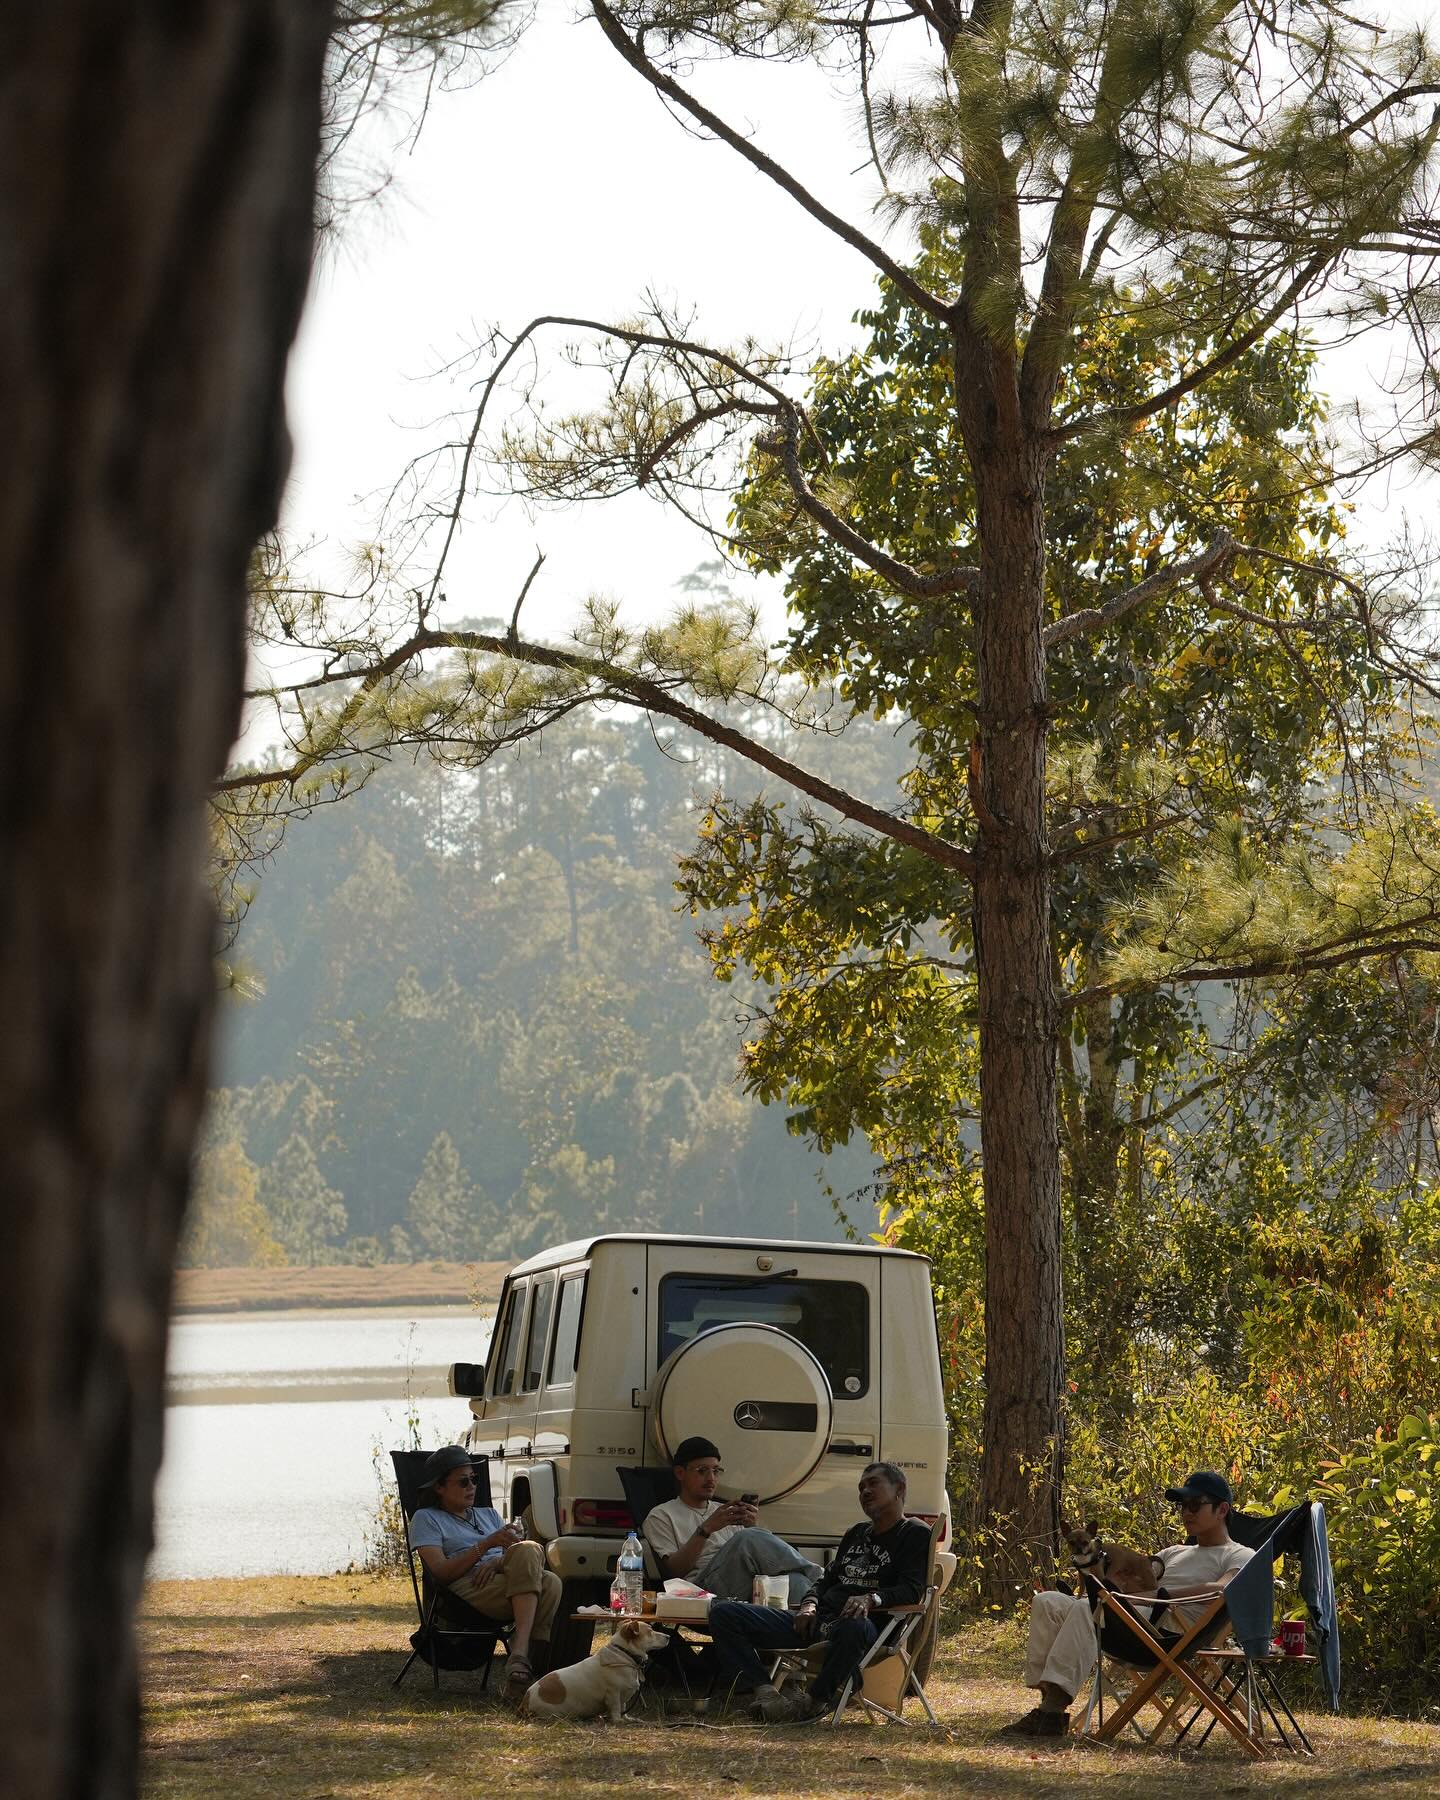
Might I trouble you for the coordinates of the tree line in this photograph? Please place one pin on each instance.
(477, 1019)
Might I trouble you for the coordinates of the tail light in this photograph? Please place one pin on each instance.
(611, 1515)
(929, 1519)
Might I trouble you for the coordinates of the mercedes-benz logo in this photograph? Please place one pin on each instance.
(747, 1413)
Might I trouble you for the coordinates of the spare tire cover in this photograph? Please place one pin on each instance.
(759, 1394)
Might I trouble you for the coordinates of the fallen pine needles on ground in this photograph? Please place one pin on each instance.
(281, 1688)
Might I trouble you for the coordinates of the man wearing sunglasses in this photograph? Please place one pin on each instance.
(486, 1563)
(1061, 1651)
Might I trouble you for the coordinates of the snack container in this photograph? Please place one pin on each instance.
(682, 1606)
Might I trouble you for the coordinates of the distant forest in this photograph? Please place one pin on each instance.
(485, 1027)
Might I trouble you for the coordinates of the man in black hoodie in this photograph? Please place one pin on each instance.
(882, 1563)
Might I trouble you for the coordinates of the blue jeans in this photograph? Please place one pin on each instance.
(742, 1632)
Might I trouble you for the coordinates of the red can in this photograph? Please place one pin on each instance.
(1292, 1637)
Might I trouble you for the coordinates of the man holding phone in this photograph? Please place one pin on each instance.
(719, 1544)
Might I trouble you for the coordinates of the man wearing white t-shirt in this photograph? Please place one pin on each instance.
(717, 1543)
(1061, 1651)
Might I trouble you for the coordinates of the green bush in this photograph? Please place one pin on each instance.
(1382, 1503)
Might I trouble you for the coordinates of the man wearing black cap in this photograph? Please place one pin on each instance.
(1061, 1651)
(718, 1544)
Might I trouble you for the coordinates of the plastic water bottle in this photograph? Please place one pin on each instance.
(630, 1572)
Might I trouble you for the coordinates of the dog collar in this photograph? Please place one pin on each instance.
(639, 1661)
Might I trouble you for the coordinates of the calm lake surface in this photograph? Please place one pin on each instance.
(273, 1423)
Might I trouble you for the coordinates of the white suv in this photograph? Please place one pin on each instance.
(802, 1361)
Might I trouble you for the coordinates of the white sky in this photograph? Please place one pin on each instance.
(560, 184)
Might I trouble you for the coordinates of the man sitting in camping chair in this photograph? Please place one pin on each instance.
(1062, 1646)
(882, 1563)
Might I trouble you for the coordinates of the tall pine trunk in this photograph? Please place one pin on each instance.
(1019, 1129)
(156, 173)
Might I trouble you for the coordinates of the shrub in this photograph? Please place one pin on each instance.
(1382, 1502)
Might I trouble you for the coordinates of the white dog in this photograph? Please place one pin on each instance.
(605, 1682)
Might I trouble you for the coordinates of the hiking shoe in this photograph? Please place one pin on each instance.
(1038, 1723)
(807, 1708)
(773, 1706)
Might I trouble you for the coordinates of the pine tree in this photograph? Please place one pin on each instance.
(308, 1215)
(448, 1216)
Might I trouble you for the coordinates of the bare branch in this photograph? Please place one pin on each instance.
(857, 240)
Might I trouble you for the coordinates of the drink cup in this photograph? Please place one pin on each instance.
(1292, 1637)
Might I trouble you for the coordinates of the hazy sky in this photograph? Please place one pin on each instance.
(560, 184)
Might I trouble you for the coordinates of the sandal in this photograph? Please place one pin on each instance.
(518, 1675)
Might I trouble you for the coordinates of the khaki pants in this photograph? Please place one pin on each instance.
(1062, 1642)
(521, 1570)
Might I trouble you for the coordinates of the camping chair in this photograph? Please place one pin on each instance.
(452, 1635)
(1217, 1678)
(645, 1487)
(886, 1675)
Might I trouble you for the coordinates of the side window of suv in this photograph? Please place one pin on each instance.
(565, 1351)
(507, 1341)
(539, 1332)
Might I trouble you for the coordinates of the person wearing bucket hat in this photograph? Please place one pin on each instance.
(485, 1562)
(1061, 1650)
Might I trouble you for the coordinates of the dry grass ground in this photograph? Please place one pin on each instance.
(393, 1284)
(281, 1688)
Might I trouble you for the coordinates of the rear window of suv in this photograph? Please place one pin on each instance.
(830, 1318)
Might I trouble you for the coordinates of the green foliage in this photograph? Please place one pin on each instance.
(495, 958)
(448, 1216)
(1382, 1499)
(226, 1226)
(307, 1214)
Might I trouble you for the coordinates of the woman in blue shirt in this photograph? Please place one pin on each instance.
(486, 1563)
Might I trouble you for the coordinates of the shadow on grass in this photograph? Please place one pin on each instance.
(318, 1725)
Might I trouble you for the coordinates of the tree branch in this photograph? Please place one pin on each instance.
(633, 689)
(901, 576)
(857, 240)
(1202, 568)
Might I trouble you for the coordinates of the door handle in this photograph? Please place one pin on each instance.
(848, 1447)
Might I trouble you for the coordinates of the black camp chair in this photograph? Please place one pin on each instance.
(645, 1487)
(451, 1635)
(689, 1667)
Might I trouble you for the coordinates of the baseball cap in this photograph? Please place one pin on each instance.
(1204, 1484)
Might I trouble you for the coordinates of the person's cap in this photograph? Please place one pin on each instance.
(692, 1450)
(442, 1463)
(1204, 1484)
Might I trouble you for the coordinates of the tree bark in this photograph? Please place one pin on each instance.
(1022, 1449)
(156, 179)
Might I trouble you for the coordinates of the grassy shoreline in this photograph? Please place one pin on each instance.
(279, 1688)
(392, 1284)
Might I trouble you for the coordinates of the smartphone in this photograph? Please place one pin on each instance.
(749, 1499)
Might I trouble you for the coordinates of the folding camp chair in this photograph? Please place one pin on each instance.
(452, 1635)
(1220, 1680)
(886, 1675)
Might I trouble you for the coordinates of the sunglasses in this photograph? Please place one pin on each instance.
(1187, 1506)
(464, 1480)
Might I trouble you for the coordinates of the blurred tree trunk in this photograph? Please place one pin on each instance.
(156, 177)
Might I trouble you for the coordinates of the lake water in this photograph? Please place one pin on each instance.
(273, 1423)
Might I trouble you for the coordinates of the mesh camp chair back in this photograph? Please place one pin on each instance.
(451, 1634)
